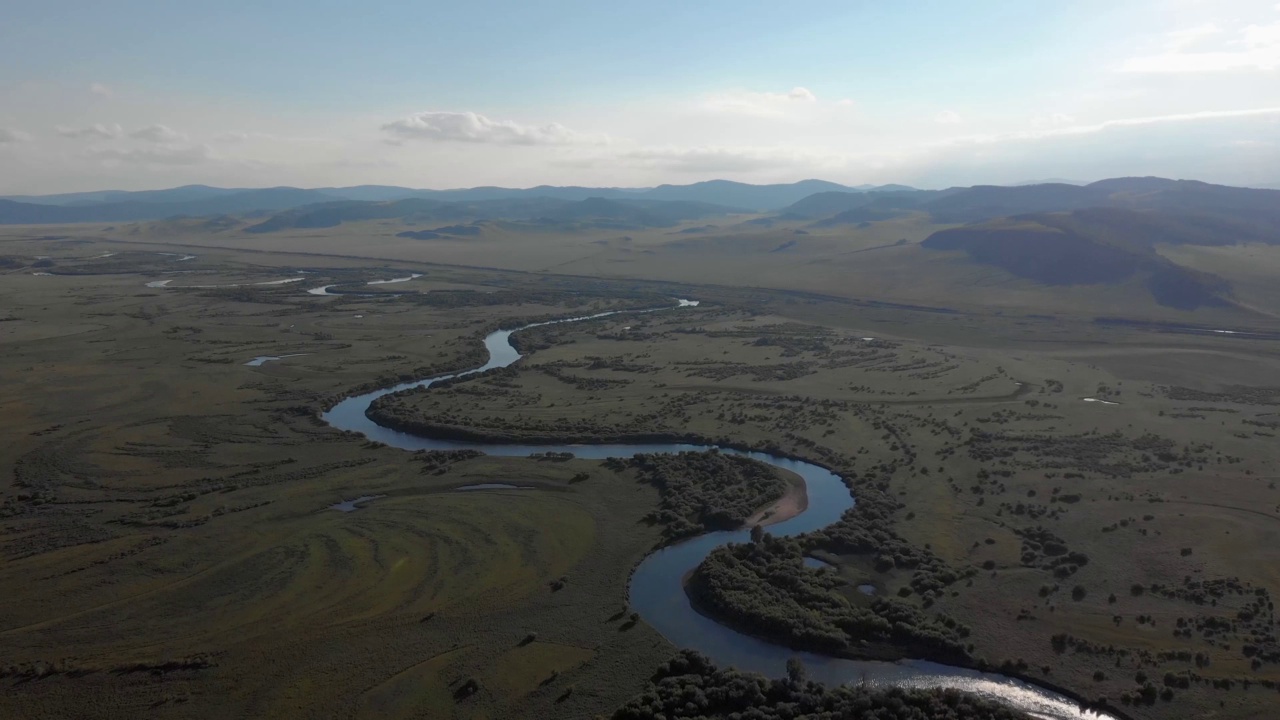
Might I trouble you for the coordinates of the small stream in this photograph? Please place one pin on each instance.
(657, 585)
(411, 276)
(264, 359)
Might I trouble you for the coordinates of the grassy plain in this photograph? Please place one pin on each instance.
(984, 447)
(881, 262)
(166, 535)
(166, 539)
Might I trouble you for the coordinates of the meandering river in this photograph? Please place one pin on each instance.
(656, 588)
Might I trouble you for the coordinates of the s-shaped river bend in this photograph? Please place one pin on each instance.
(657, 590)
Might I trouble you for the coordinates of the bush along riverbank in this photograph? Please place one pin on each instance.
(690, 686)
(763, 588)
(704, 491)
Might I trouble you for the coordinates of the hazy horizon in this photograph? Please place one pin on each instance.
(145, 95)
(638, 188)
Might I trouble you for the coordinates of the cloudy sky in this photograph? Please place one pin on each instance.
(133, 94)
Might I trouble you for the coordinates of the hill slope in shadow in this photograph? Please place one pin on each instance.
(1101, 246)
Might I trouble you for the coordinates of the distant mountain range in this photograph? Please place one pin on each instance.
(593, 212)
(828, 204)
(202, 200)
(1054, 234)
(159, 204)
(1060, 234)
(981, 202)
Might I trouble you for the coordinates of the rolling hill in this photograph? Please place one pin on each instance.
(592, 212)
(988, 201)
(1055, 244)
(233, 203)
(623, 214)
(200, 200)
(886, 203)
(1182, 196)
(816, 200)
(983, 202)
(735, 194)
(332, 214)
(1100, 246)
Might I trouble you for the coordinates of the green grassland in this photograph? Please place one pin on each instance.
(166, 539)
(880, 261)
(168, 548)
(1167, 487)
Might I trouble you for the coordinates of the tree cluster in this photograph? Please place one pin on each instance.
(689, 686)
(765, 589)
(700, 491)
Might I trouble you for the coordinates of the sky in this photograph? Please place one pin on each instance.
(136, 94)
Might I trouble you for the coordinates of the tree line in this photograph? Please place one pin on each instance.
(690, 687)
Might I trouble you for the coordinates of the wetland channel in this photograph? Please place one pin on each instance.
(657, 588)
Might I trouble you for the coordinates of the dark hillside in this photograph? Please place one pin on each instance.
(1043, 254)
(882, 204)
(1099, 246)
(334, 214)
(989, 201)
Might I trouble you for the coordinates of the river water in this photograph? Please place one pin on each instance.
(656, 588)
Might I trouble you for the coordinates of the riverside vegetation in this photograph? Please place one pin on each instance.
(990, 492)
(690, 686)
(166, 531)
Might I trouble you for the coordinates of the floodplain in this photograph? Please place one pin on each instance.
(1095, 504)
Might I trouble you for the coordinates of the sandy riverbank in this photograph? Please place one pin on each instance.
(793, 502)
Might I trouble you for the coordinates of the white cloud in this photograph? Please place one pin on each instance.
(1065, 130)
(157, 134)
(760, 103)
(1254, 47)
(802, 94)
(1251, 144)
(1052, 120)
(100, 89)
(159, 155)
(470, 127)
(96, 130)
(241, 136)
(1262, 36)
(846, 102)
(1189, 37)
(948, 117)
(719, 159)
(13, 135)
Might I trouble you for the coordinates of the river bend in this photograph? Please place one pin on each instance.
(656, 587)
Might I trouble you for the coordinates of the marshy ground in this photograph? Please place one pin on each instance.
(168, 547)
